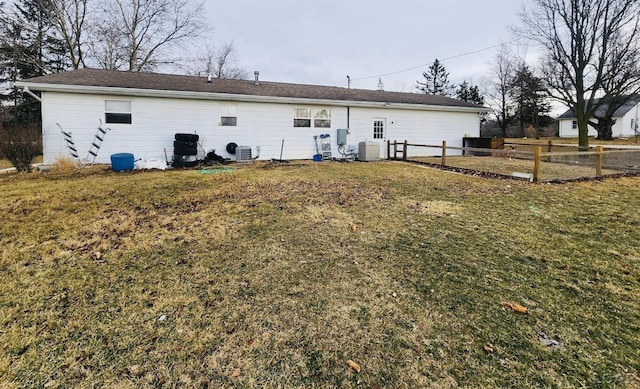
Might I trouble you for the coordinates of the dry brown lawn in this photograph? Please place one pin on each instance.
(276, 275)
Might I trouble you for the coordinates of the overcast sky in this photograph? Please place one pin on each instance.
(323, 41)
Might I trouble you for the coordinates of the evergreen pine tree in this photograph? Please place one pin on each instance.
(469, 93)
(436, 80)
(28, 48)
(531, 103)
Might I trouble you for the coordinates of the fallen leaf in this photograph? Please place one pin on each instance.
(96, 255)
(520, 309)
(354, 228)
(353, 365)
(506, 304)
(488, 348)
(514, 307)
(236, 373)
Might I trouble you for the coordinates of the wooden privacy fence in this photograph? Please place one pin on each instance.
(537, 154)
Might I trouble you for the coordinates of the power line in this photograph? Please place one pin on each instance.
(444, 59)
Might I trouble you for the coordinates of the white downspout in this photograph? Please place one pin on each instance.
(35, 96)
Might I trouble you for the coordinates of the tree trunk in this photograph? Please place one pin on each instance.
(583, 124)
(605, 128)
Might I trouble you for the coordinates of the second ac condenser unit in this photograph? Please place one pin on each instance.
(243, 154)
(369, 151)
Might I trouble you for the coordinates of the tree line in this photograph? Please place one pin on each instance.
(39, 37)
(590, 63)
(516, 97)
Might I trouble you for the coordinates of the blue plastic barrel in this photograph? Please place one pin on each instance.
(122, 162)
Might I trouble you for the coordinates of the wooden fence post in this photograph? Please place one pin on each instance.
(536, 164)
(404, 150)
(389, 149)
(599, 161)
(444, 153)
(549, 150)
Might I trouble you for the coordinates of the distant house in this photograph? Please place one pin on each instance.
(626, 118)
(145, 110)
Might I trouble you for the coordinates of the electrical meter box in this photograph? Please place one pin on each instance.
(342, 136)
(369, 151)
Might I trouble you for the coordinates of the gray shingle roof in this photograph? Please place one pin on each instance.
(182, 83)
(620, 112)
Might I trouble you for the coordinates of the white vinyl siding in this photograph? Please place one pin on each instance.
(157, 120)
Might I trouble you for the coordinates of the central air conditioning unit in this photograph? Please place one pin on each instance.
(243, 154)
(369, 151)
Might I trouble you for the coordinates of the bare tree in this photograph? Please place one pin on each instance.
(108, 47)
(216, 62)
(139, 35)
(499, 89)
(69, 18)
(591, 49)
(620, 84)
(224, 63)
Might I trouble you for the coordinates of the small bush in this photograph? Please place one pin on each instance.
(20, 144)
(63, 166)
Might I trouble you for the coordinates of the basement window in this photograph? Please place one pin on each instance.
(302, 117)
(117, 111)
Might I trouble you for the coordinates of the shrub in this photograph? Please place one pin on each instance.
(20, 144)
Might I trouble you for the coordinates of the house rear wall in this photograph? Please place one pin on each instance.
(156, 120)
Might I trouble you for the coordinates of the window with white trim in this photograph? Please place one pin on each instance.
(574, 125)
(228, 115)
(302, 117)
(117, 111)
(321, 117)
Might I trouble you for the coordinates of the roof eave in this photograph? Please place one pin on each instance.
(119, 91)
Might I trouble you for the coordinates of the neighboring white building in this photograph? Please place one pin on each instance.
(145, 110)
(626, 124)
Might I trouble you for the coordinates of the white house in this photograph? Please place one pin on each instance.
(145, 110)
(626, 118)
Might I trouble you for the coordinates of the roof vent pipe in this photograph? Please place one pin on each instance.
(257, 80)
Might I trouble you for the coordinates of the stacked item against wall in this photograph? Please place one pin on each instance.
(325, 145)
(185, 150)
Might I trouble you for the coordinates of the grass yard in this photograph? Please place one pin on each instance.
(276, 276)
(5, 164)
(549, 171)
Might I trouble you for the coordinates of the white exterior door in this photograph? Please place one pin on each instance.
(380, 134)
